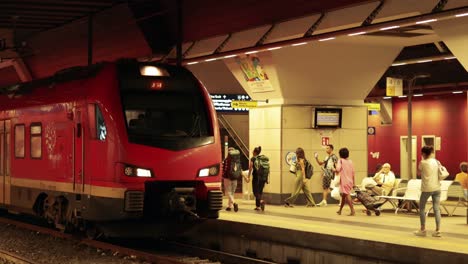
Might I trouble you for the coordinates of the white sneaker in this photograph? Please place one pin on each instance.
(322, 203)
(420, 233)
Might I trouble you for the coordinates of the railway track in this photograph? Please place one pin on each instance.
(174, 252)
(8, 257)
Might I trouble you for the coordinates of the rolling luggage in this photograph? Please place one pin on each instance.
(371, 203)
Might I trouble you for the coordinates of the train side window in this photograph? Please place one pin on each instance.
(36, 140)
(97, 126)
(19, 141)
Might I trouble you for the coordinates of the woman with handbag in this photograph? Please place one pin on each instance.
(303, 173)
(430, 187)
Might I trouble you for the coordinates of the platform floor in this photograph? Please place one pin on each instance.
(388, 227)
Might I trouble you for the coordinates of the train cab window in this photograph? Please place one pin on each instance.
(100, 125)
(36, 140)
(19, 141)
(97, 125)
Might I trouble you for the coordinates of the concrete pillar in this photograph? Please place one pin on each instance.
(296, 80)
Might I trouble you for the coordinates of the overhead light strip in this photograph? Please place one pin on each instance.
(423, 60)
(421, 19)
(426, 21)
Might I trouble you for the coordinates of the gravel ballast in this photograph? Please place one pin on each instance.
(43, 248)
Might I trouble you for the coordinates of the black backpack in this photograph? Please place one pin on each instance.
(235, 170)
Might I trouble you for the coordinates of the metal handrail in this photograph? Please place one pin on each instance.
(240, 143)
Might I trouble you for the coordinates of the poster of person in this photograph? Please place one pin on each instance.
(254, 75)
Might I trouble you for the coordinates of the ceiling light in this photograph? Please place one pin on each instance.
(194, 62)
(461, 15)
(299, 44)
(426, 21)
(418, 95)
(387, 97)
(275, 48)
(399, 64)
(325, 39)
(229, 56)
(251, 52)
(387, 28)
(211, 59)
(423, 61)
(450, 58)
(457, 92)
(358, 33)
(402, 96)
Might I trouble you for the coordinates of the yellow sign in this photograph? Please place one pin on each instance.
(243, 104)
(394, 86)
(373, 106)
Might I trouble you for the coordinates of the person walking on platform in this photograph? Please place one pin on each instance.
(345, 168)
(259, 178)
(232, 171)
(329, 168)
(430, 187)
(304, 171)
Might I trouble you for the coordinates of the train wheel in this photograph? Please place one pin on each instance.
(377, 212)
(92, 231)
(368, 212)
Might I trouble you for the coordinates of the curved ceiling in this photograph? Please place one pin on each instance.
(157, 20)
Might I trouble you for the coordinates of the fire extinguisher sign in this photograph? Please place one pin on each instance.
(325, 141)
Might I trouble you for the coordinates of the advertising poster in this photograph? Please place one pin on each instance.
(254, 75)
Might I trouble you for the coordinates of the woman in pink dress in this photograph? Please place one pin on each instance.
(345, 168)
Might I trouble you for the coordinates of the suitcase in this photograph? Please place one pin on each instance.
(371, 203)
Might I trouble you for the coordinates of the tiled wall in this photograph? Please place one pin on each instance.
(281, 129)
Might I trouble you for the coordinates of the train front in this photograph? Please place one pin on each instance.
(173, 155)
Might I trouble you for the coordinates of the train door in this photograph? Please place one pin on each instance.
(5, 162)
(78, 152)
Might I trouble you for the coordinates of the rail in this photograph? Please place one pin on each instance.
(13, 258)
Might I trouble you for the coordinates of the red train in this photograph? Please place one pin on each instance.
(112, 141)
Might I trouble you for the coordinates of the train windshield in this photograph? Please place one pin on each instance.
(164, 106)
(172, 119)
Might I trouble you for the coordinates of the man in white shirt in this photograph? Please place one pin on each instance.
(385, 180)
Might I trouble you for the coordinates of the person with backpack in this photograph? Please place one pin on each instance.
(329, 169)
(259, 168)
(304, 171)
(232, 171)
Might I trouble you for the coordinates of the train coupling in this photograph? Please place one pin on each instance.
(182, 200)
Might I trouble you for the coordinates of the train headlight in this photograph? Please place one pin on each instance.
(143, 173)
(209, 171)
(132, 171)
(128, 171)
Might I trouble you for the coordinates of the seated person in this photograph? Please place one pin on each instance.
(384, 179)
(462, 178)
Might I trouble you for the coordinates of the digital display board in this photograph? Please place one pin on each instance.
(327, 117)
(223, 102)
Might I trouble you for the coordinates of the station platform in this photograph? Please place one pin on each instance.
(318, 235)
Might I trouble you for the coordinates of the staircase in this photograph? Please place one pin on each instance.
(234, 136)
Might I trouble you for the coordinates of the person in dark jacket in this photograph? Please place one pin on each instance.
(301, 181)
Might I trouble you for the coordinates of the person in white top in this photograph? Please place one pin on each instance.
(385, 180)
(430, 187)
